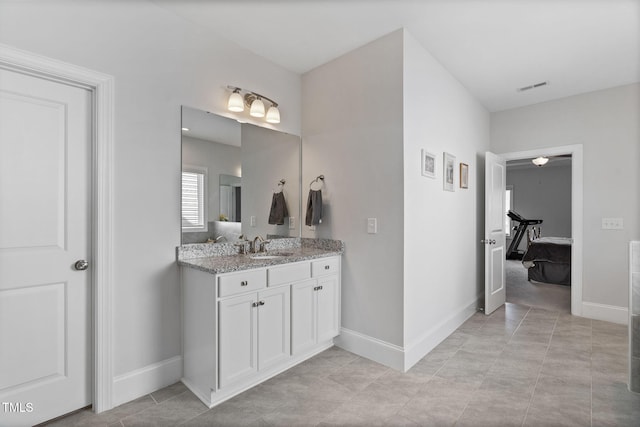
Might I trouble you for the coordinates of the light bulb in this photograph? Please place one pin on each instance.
(257, 108)
(273, 115)
(235, 104)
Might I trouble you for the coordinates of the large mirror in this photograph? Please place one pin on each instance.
(235, 177)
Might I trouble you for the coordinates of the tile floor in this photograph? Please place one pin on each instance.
(520, 366)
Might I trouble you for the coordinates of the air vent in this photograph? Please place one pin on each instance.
(534, 86)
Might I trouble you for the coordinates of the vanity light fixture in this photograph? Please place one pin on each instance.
(255, 102)
(540, 161)
(236, 103)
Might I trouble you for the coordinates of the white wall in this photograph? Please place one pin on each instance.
(442, 271)
(607, 124)
(159, 62)
(352, 134)
(542, 193)
(366, 115)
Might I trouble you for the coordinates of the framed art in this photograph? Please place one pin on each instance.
(449, 167)
(428, 164)
(464, 175)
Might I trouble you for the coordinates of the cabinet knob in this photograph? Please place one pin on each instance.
(326, 267)
(255, 304)
(244, 283)
(261, 303)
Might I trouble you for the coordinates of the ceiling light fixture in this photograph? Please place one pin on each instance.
(540, 161)
(255, 102)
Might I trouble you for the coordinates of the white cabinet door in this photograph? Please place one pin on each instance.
(274, 326)
(238, 338)
(328, 307)
(303, 316)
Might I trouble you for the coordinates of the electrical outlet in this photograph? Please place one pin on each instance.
(612, 224)
(292, 223)
(253, 221)
(372, 225)
(312, 227)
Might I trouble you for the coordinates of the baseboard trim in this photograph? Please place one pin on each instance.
(434, 336)
(403, 358)
(130, 386)
(372, 348)
(609, 313)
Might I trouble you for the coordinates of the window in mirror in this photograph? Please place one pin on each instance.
(194, 199)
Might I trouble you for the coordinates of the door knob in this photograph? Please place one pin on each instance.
(81, 265)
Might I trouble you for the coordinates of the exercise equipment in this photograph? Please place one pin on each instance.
(521, 229)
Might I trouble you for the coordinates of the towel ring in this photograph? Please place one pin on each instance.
(319, 180)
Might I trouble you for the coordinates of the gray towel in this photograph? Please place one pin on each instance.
(278, 209)
(314, 208)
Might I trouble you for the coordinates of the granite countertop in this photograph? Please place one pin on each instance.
(236, 262)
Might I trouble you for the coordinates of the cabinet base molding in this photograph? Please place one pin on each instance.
(213, 398)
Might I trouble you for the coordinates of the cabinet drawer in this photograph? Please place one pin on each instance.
(244, 281)
(325, 266)
(288, 273)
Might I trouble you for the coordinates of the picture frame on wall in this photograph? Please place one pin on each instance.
(448, 171)
(464, 175)
(428, 164)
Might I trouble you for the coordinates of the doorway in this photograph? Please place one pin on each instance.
(576, 204)
(539, 201)
(100, 88)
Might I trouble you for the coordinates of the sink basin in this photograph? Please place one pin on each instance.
(266, 256)
(271, 256)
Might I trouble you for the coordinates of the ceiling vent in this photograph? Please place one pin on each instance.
(534, 86)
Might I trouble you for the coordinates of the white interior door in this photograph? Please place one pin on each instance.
(494, 232)
(45, 310)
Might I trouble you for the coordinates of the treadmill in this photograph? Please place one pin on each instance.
(512, 252)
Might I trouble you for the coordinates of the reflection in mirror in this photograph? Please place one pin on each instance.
(243, 166)
(230, 198)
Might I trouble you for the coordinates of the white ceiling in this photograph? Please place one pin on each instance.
(491, 46)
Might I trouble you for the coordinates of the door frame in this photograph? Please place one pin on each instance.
(101, 87)
(577, 203)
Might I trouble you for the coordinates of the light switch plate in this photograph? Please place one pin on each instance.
(292, 223)
(612, 224)
(372, 225)
(253, 221)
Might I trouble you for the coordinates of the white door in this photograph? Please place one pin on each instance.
(494, 232)
(274, 326)
(45, 314)
(238, 338)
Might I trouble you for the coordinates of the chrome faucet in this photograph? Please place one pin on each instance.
(256, 246)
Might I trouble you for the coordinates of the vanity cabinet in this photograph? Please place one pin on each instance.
(241, 328)
(254, 333)
(315, 312)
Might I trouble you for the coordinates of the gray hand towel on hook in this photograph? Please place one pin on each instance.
(314, 208)
(278, 209)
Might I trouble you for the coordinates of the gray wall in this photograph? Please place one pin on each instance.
(542, 193)
(607, 124)
(352, 134)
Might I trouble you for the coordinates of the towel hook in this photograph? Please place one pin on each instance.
(280, 186)
(318, 178)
